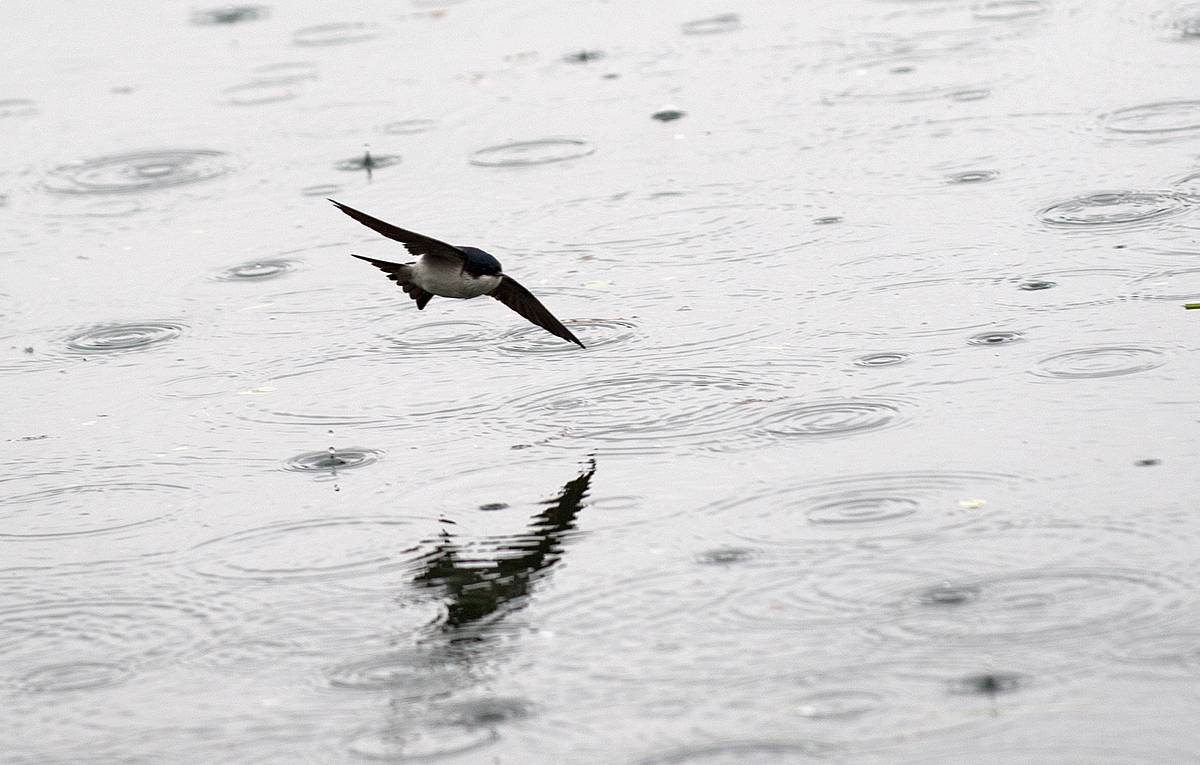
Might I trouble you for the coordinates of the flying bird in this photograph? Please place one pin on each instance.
(455, 272)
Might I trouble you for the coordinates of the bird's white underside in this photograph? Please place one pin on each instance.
(435, 277)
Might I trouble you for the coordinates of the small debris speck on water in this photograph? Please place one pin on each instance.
(668, 115)
(583, 56)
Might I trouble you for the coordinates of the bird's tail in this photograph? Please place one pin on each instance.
(401, 273)
(386, 265)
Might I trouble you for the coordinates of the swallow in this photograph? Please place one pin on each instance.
(444, 270)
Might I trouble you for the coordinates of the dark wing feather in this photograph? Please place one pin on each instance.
(417, 244)
(400, 274)
(510, 292)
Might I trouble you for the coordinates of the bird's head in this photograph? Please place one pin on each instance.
(479, 263)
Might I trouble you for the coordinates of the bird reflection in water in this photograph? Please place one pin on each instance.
(478, 591)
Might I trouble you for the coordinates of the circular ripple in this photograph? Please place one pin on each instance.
(751, 752)
(230, 14)
(257, 270)
(641, 412)
(440, 337)
(109, 636)
(313, 550)
(409, 127)
(1162, 117)
(1114, 208)
(17, 107)
(1062, 289)
(1179, 284)
(331, 460)
(978, 588)
(526, 153)
(882, 359)
(725, 22)
(337, 34)
(138, 171)
(85, 509)
(595, 333)
(1103, 361)
(973, 176)
(114, 338)
(421, 674)
(412, 744)
(1008, 10)
(838, 704)
(321, 190)
(858, 507)
(73, 676)
(265, 91)
(995, 338)
(1174, 650)
(827, 419)
(1034, 604)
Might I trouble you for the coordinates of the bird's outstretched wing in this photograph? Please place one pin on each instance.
(401, 274)
(417, 244)
(510, 292)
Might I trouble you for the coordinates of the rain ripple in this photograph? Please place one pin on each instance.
(115, 338)
(409, 127)
(1103, 361)
(642, 412)
(1162, 118)
(93, 642)
(995, 338)
(685, 409)
(311, 550)
(744, 752)
(17, 107)
(873, 505)
(595, 333)
(341, 33)
(883, 359)
(1179, 284)
(331, 460)
(831, 418)
(87, 509)
(527, 153)
(1008, 10)
(138, 171)
(257, 270)
(719, 24)
(413, 674)
(407, 743)
(1114, 208)
(73, 676)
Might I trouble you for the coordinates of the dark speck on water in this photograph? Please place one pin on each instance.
(583, 56)
(1036, 285)
(668, 115)
(490, 506)
(230, 14)
(989, 683)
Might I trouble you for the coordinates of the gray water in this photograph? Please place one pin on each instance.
(882, 449)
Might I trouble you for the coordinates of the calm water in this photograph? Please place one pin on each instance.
(882, 450)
